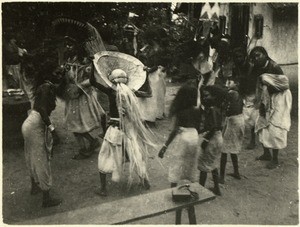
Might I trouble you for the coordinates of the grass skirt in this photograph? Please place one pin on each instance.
(112, 155)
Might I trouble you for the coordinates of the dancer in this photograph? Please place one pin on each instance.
(83, 112)
(126, 135)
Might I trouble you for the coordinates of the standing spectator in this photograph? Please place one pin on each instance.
(37, 131)
(223, 64)
(233, 131)
(155, 56)
(212, 145)
(241, 72)
(260, 63)
(274, 115)
(241, 65)
(196, 66)
(15, 61)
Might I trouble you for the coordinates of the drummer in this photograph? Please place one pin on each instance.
(120, 141)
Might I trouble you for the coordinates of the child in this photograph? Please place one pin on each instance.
(233, 132)
(212, 145)
(185, 149)
(274, 115)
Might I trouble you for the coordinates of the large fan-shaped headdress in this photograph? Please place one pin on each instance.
(81, 32)
(106, 62)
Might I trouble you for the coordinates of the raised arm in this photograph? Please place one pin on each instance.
(97, 85)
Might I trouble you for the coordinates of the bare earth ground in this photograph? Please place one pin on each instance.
(262, 196)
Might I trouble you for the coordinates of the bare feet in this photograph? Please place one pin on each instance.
(35, 190)
(272, 165)
(216, 191)
(235, 175)
(102, 135)
(221, 180)
(52, 202)
(250, 146)
(146, 184)
(95, 144)
(264, 158)
(101, 192)
(79, 156)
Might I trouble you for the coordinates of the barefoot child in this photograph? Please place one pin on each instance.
(212, 145)
(185, 147)
(233, 132)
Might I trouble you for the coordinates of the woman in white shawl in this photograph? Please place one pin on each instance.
(274, 120)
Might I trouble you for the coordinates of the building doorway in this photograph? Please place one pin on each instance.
(239, 24)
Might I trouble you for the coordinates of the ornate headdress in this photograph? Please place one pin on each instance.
(107, 62)
(80, 32)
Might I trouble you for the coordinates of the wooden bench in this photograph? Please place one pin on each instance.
(129, 209)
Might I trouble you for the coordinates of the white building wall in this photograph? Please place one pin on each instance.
(280, 37)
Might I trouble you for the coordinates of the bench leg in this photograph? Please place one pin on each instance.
(178, 217)
(192, 215)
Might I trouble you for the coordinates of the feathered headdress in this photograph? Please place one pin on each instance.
(81, 32)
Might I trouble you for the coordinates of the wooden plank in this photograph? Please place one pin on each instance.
(125, 210)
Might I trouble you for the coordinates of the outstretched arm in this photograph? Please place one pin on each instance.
(169, 140)
(165, 146)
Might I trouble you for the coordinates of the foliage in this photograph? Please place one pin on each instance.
(24, 18)
(30, 22)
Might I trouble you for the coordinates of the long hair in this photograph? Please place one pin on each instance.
(185, 98)
(138, 139)
(216, 91)
(259, 49)
(45, 97)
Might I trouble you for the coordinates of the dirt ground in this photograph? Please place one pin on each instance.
(262, 196)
